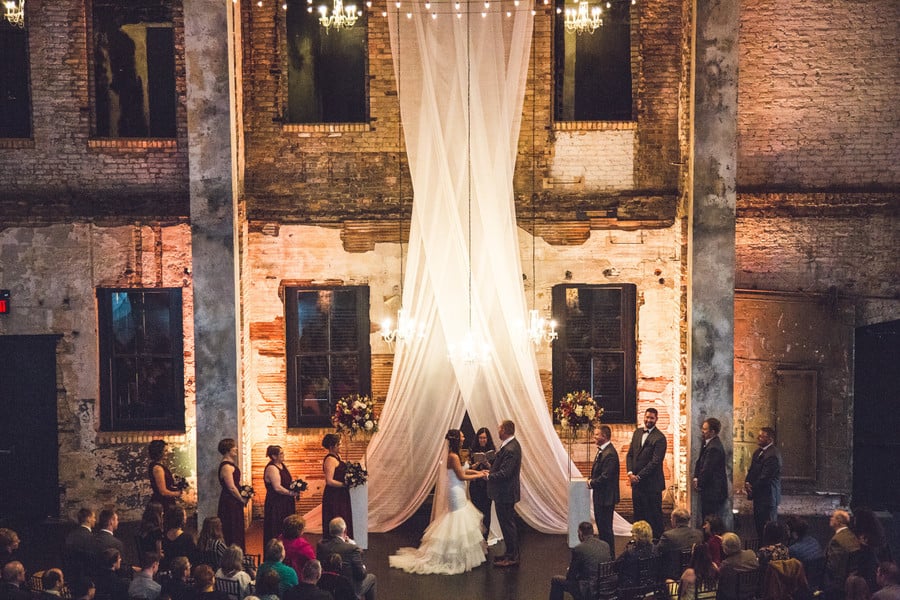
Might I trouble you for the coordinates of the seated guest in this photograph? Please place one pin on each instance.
(143, 587)
(785, 579)
(232, 569)
(580, 579)
(176, 587)
(837, 553)
(83, 589)
(888, 578)
(105, 536)
(772, 544)
(52, 584)
(713, 529)
(307, 589)
(150, 532)
(110, 586)
(734, 561)
(353, 568)
(333, 582)
(177, 541)
(679, 538)
(267, 585)
(9, 542)
(205, 584)
(78, 549)
(274, 557)
(297, 550)
(211, 545)
(701, 574)
(12, 587)
(641, 546)
(806, 549)
(873, 548)
(856, 588)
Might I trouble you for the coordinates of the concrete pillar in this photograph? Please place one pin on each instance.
(712, 223)
(210, 113)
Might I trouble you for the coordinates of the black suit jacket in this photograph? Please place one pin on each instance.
(605, 476)
(503, 482)
(670, 545)
(352, 566)
(764, 477)
(78, 554)
(646, 460)
(10, 592)
(709, 471)
(104, 540)
(307, 591)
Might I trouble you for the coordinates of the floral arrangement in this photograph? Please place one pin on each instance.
(298, 485)
(577, 410)
(354, 414)
(355, 475)
(246, 491)
(180, 483)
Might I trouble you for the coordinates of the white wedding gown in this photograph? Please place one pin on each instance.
(452, 543)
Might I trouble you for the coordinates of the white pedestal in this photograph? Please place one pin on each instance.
(579, 508)
(359, 505)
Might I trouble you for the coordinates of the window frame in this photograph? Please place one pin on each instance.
(24, 32)
(625, 410)
(295, 419)
(107, 357)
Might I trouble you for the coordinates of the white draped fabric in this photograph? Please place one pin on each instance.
(461, 89)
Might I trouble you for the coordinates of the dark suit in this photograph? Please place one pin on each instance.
(352, 566)
(503, 488)
(307, 591)
(672, 543)
(9, 591)
(712, 480)
(764, 478)
(645, 461)
(581, 578)
(109, 585)
(104, 539)
(605, 485)
(78, 553)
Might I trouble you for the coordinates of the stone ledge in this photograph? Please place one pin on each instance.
(332, 128)
(132, 143)
(13, 143)
(594, 125)
(140, 437)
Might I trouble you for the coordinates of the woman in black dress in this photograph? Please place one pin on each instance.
(176, 541)
(151, 531)
(336, 497)
(231, 503)
(279, 499)
(161, 480)
(478, 487)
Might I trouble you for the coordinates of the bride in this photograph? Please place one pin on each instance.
(453, 542)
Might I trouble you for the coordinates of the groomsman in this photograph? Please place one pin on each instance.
(710, 479)
(763, 481)
(645, 472)
(605, 485)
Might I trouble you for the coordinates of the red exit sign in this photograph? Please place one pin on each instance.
(4, 302)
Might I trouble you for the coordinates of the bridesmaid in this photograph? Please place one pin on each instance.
(231, 504)
(279, 499)
(161, 481)
(336, 497)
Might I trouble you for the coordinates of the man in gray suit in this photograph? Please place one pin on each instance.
(581, 578)
(503, 488)
(352, 566)
(734, 561)
(674, 541)
(604, 482)
(645, 472)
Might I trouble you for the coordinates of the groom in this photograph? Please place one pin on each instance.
(503, 489)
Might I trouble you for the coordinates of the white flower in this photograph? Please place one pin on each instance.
(589, 412)
(369, 425)
(578, 411)
(564, 422)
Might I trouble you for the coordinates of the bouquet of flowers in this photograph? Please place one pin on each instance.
(355, 475)
(298, 485)
(354, 414)
(246, 492)
(577, 409)
(180, 483)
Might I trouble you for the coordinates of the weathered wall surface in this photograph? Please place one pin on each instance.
(53, 273)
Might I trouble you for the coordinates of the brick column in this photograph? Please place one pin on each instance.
(210, 116)
(712, 223)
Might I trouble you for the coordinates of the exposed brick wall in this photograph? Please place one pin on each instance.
(64, 162)
(817, 105)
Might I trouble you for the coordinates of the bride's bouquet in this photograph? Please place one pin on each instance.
(354, 414)
(577, 410)
(355, 475)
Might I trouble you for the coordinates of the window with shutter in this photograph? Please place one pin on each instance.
(15, 101)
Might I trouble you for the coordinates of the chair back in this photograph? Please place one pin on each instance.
(251, 562)
(232, 587)
(684, 559)
(607, 581)
(650, 569)
(747, 585)
(36, 581)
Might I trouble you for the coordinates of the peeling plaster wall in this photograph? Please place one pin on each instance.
(52, 273)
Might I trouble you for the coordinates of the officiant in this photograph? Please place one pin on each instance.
(481, 455)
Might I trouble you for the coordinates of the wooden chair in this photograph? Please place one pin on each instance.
(747, 587)
(607, 581)
(649, 584)
(232, 587)
(684, 558)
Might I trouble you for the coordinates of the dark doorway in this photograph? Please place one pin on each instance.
(876, 420)
(29, 448)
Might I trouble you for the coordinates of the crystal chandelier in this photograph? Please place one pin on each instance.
(585, 18)
(341, 16)
(15, 12)
(541, 330)
(406, 331)
(471, 350)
